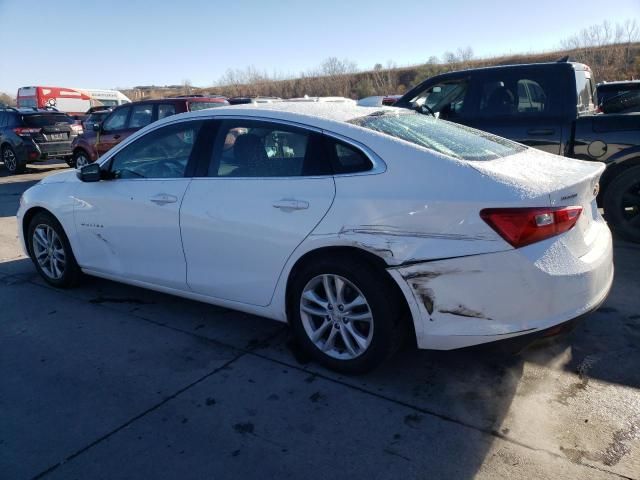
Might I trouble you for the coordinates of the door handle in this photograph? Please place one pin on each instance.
(163, 199)
(541, 131)
(288, 205)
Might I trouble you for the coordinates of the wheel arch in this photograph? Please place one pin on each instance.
(613, 171)
(26, 220)
(349, 253)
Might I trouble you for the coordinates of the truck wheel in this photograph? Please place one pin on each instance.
(11, 162)
(622, 204)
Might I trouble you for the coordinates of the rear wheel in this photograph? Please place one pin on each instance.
(51, 252)
(622, 204)
(11, 162)
(345, 314)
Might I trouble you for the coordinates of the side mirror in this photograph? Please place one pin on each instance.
(90, 173)
(96, 127)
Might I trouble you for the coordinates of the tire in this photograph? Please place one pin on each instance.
(378, 338)
(622, 204)
(80, 159)
(58, 265)
(11, 162)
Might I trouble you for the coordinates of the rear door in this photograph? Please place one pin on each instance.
(524, 104)
(264, 190)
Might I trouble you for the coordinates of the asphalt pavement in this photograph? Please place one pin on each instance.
(108, 381)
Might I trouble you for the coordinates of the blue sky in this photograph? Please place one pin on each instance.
(125, 43)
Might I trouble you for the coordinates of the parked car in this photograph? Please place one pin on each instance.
(253, 100)
(552, 107)
(126, 119)
(307, 98)
(608, 90)
(30, 135)
(391, 99)
(352, 225)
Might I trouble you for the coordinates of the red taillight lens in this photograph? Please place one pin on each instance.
(25, 132)
(524, 226)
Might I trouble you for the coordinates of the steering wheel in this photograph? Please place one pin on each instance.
(426, 109)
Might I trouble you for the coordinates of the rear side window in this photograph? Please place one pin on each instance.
(45, 120)
(348, 159)
(166, 110)
(519, 93)
(450, 139)
(141, 116)
(586, 91)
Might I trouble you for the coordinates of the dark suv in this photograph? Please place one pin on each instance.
(29, 135)
(129, 118)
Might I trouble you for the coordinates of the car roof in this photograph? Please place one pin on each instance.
(307, 111)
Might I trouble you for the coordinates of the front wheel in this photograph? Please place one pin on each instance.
(80, 159)
(51, 252)
(345, 315)
(622, 204)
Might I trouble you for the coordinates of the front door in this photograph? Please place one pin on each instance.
(128, 225)
(266, 188)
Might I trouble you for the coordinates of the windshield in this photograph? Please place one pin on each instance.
(45, 120)
(443, 137)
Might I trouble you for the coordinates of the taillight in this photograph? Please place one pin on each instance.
(524, 226)
(25, 132)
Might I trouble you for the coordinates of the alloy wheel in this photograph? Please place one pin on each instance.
(49, 251)
(9, 159)
(81, 160)
(336, 317)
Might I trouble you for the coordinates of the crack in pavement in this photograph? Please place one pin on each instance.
(252, 352)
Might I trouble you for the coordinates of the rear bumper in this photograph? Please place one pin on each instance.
(478, 299)
(54, 149)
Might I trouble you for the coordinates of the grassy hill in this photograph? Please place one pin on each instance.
(609, 62)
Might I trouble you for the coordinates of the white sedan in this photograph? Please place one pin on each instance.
(352, 224)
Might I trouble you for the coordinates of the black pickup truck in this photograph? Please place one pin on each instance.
(550, 106)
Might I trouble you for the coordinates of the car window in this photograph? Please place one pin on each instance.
(446, 98)
(46, 119)
(348, 159)
(448, 138)
(117, 120)
(166, 110)
(162, 153)
(586, 91)
(3, 119)
(141, 116)
(518, 94)
(263, 149)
